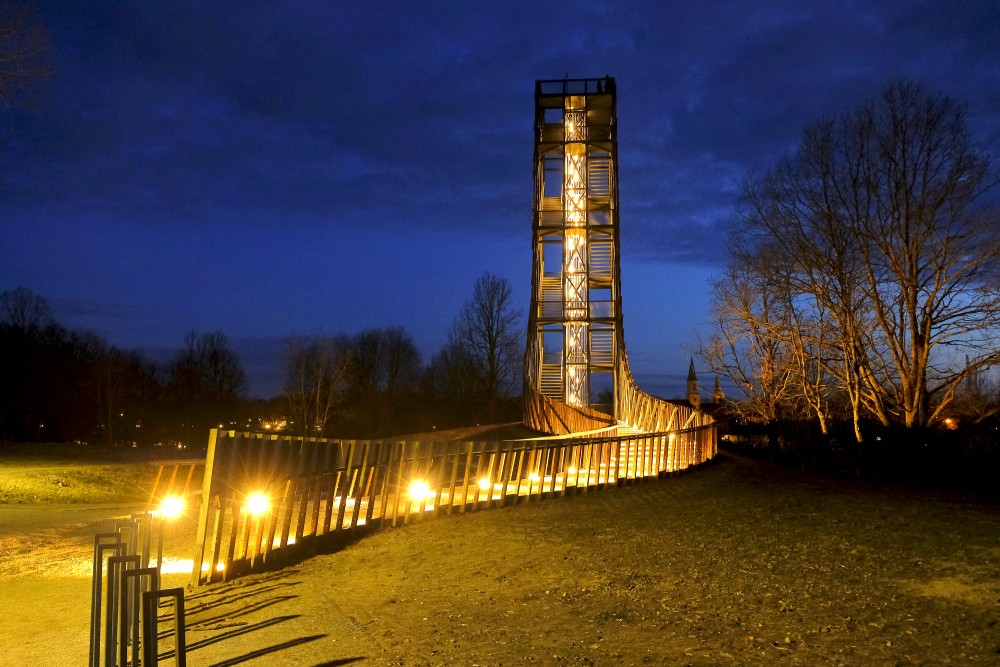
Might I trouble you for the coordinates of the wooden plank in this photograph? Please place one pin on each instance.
(643, 445)
(335, 471)
(216, 542)
(629, 459)
(509, 489)
(584, 462)
(258, 534)
(398, 482)
(283, 520)
(502, 472)
(409, 480)
(522, 458)
(287, 508)
(173, 478)
(278, 451)
(455, 456)
(318, 473)
(618, 459)
(531, 465)
(156, 482)
(362, 477)
(465, 482)
(552, 467)
(203, 510)
(187, 480)
(392, 450)
(346, 479)
(438, 473)
(569, 458)
(492, 462)
(302, 480)
(479, 449)
(234, 520)
(376, 483)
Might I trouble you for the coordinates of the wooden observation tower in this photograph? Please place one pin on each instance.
(575, 319)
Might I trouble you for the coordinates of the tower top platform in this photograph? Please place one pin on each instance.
(604, 85)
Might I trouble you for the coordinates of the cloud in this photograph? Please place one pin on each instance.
(303, 114)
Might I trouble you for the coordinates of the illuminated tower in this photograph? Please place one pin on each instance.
(575, 317)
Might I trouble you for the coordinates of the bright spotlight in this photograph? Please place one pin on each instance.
(172, 507)
(534, 477)
(258, 503)
(484, 483)
(419, 490)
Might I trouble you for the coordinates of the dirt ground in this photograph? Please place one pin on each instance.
(737, 563)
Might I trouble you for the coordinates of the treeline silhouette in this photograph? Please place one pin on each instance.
(60, 385)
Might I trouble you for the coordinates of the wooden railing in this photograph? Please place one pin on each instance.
(643, 412)
(545, 415)
(264, 493)
(634, 408)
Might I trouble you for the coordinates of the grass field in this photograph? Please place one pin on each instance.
(58, 473)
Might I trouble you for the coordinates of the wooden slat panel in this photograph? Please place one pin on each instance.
(308, 477)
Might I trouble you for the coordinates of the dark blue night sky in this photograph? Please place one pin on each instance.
(279, 168)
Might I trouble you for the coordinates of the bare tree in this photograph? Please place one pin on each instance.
(207, 371)
(787, 217)
(316, 374)
(122, 385)
(386, 367)
(23, 51)
(748, 308)
(488, 331)
(386, 361)
(879, 224)
(452, 373)
(24, 309)
(403, 365)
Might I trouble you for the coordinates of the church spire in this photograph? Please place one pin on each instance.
(693, 396)
(718, 396)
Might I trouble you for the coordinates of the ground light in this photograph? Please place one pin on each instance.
(258, 503)
(419, 490)
(484, 483)
(171, 507)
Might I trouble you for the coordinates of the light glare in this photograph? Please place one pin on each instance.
(258, 503)
(419, 490)
(172, 507)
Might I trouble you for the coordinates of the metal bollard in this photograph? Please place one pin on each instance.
(134, 583)
(103, 543)
(150, 603)
(116, 570)
(120, 623)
